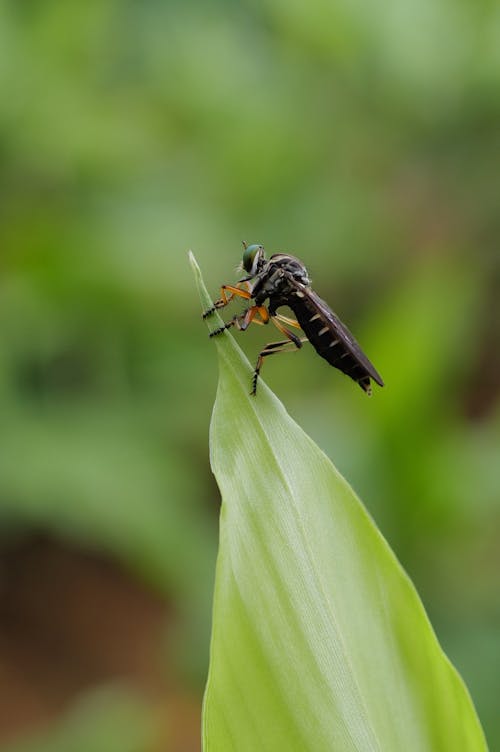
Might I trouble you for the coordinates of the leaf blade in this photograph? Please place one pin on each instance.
(320, 641)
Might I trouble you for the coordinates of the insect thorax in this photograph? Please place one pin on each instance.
(279, 278)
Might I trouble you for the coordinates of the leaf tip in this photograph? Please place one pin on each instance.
(193, 262)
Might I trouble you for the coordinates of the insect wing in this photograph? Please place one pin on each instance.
(342, 332)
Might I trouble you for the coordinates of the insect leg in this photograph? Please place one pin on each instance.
(276, 319)
(249, 316)
(226, 298)
(243, 321)
(271, 349)
(286, 320)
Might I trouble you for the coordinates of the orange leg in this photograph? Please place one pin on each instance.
(224, 299)
(286, 320)
(250, 315)
(277, 347)
(277, 323)
(243, 321)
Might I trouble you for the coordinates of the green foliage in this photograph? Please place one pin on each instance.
(319, 639)
(359, 137)
(111, 720)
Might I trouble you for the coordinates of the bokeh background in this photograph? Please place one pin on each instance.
(363, 138)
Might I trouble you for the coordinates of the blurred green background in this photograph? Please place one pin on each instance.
(363, 138)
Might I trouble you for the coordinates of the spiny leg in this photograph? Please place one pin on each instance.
(272, 349)
(243, 321)
(225, 298)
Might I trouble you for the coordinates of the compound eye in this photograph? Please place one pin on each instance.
(251, 258)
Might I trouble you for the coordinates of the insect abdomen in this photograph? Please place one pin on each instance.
(326, 340)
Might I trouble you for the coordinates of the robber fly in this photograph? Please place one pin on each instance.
(283, 280)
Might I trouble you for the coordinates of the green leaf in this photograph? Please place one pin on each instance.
(320, 642)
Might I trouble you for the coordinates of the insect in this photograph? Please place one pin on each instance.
(283, 280)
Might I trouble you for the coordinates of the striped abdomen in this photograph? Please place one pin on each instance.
(330, 337)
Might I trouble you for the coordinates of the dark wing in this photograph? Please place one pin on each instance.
(331, 338)
(346, 337)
